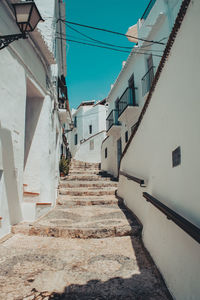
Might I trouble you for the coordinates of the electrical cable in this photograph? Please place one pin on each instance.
(75, 37)
(88, 44)
(104, 47)
(95, 39)
(110, 31)
(146, 46)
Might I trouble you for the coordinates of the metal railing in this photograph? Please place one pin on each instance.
(127, 99)
(62, 105)
(148, 9)
(133, 178)
(112, 119)
(184, 224)
(147, 80)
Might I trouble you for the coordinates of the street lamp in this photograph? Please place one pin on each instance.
(27, 17)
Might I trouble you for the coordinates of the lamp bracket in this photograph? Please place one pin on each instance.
(5, 40)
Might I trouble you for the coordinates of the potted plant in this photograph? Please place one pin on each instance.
(64, 166)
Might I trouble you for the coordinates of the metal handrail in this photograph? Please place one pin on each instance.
(184, 224)
(111, 113)
(148, 72)
(112, 119)
(92, 136)
(130, 177)
(130, 102)
(123, 102)
(147, 80)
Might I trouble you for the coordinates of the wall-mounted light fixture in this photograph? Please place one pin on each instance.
(27, 17)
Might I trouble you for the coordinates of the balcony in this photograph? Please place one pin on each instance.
(112, 123)
(62, 110)
(62, 103)
(128, 109)
(147, 80)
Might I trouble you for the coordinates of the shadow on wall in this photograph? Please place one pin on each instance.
(10, 179)
(33, 110)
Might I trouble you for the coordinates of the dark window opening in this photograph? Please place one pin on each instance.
(61, 150)
(106, 152)
(90, 129)
(119, 151)
(76, 139)
(131, 85)
(176, 157)
(126, 136)
(75, 122)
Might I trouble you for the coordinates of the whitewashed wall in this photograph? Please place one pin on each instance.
(171, 120)
(109, 164)
(24, 72)
(94, 115)
(86, 153)
(157, 26)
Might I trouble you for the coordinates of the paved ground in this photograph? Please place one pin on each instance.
(88, 247)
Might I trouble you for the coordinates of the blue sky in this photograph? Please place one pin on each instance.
(90, 70)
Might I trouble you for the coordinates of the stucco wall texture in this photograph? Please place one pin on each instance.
(171, 120)
(30, 130)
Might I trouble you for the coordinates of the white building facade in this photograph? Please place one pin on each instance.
(159, 170)
(89, 130)
(130, 90)
(30, 125)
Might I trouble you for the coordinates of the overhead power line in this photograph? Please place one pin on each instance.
(88, 37)
(139, 48)
(104, 47)
(88, 44)
(111, 31)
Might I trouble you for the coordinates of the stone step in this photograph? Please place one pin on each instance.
(85, 165)
(95, 167)
(77, 167)
(82, 222)
(87, 191)
(35, 267)
(73, 184)
(82, 233)
(86, 201)
(83, 172)
(83, 177)
(82, 163)
(80, 170)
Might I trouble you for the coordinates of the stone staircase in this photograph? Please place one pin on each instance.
(87, 247)
(86, 208)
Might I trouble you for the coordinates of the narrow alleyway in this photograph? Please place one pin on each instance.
(87, 247)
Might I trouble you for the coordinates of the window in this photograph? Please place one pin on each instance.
(61, 150)
(131, 85)
(76, 139)
(90, 129)
(106, 152)
(176, 157)
(92, 145)
(75, 121)
(147, 79)
(126, 136)
(119, 151)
